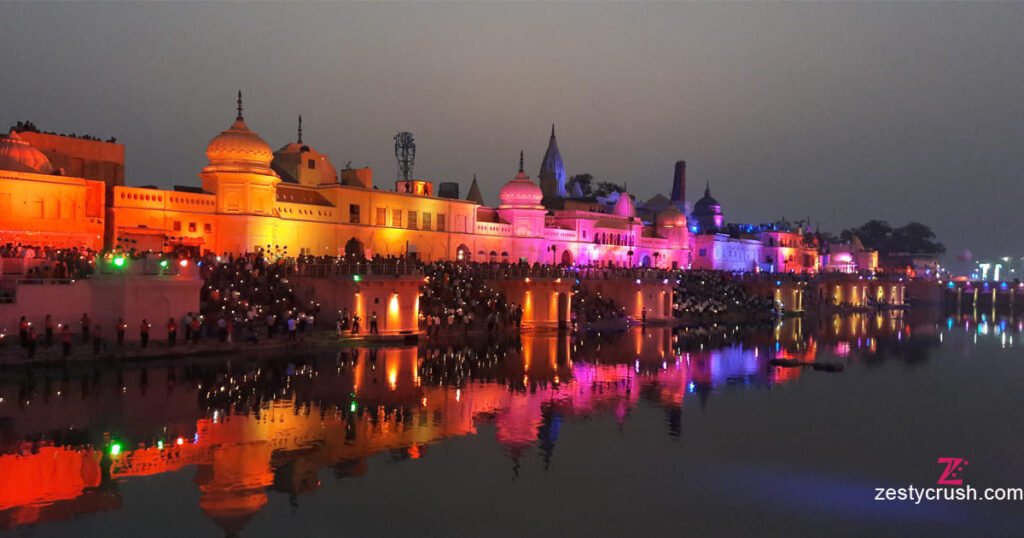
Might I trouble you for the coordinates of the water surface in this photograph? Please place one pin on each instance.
(659, 432)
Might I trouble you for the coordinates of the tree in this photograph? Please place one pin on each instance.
(604, 188)
(585, 181)
(913, 238)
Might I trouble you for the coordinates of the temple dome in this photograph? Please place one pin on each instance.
(239, 146)
(670, 217)
(624, 206)
(520, 191)
(707, 211)
(17, 155)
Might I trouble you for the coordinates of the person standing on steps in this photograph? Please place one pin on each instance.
(172, 332)
(31, 342)
(373, 322)
(97, 340)
(144, 333)
(291, 329)
(121, 328)
(23, 327)
(86, 323)
(48, 328)
(65, 340)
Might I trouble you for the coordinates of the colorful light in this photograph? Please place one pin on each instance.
(119, 261)
(183, 263)
(163, 264)
(115, 449)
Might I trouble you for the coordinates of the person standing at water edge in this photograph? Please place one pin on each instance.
(291, 329)
(48, 328)
(23, 326)
(85, 322)
(373, 322)
(65, 339)
(172, 332)
(97, 340)
(144, 333)
(121, 328)
(31, 342)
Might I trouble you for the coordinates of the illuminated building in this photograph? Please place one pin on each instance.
(63, 191)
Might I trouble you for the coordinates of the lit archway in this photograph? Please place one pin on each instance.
(463, 254)
(566, 258)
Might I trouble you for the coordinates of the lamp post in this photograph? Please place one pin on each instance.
(554, 250)
(656, 256)
(630, 254)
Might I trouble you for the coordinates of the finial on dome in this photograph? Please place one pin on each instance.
(521, 162)
(707, 188)
(552, 130)
(239, 116)
(300, 129)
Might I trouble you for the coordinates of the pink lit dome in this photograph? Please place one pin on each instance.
(520, 191)
(17, 155)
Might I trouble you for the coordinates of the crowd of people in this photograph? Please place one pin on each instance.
(48, 262)
(700, 293)
(456, 298)
(250, 297)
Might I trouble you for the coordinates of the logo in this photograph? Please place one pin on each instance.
(951, 474)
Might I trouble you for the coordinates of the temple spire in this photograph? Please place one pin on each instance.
(300, 129)
(521, 162)
(552, 171)
(707, 188)
(239, 116)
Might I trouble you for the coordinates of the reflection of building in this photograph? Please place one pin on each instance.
(338, 413)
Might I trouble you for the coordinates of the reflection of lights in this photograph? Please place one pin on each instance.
(691, 387)
(115, 449)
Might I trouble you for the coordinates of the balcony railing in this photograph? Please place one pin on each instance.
(349, 269)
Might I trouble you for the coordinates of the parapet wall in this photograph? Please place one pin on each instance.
(105, 299)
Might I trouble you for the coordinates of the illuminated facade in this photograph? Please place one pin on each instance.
(294, 199)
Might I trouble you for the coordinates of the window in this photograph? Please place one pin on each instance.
(208, 228)
(382, 216)
(177, 225)
(426, 220)
(440, 222)
(413, 221)
(584, 234)
(311, 164)
(703, 252)
(191, 226)
(353, 213)
(396, 218)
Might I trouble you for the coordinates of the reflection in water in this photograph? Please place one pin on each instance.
(67, 438)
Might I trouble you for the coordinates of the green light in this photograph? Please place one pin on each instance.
(160, 445)
(352, 407)
(115, 449)
(357, 278)
(119, 261)
(163, 264)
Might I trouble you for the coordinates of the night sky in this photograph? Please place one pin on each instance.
(837, 112)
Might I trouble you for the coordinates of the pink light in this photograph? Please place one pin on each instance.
(183, 263)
